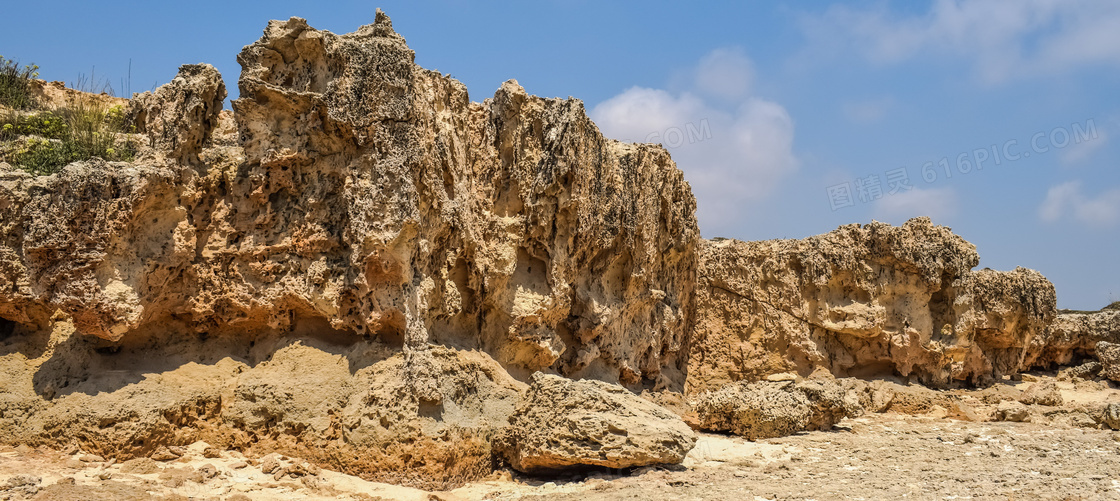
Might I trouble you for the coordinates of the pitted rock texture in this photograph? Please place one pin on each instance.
(1074, 336)
(179, 117)
(862, 301)
(423, 418)
(1109, 355)
(561, 424)
(769, 409)
(370, 194)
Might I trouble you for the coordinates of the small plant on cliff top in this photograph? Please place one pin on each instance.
(82, 129)
(15, 84)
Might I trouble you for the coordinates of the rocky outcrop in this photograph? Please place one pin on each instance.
(769, 409)
(179, 117)
(370, 194)
(562, 424)
(1074, 336)
(349, 266)
(861, 301)
(1109, 356)
(362, 267)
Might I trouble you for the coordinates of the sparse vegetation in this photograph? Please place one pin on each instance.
(15, 83)
(1114, 306)
(41, 142)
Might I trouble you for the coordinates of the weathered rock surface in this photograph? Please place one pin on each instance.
(349, 266)
(562, 424)
(1074, 336)
(862, 301)
(180, 117)
(423, 418)
(1042, 393)
(373, 195)
(769, 409)
(1109, 355)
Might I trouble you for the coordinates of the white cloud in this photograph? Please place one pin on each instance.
(1001, 38)
(734, 148)
(1068, 199)
(725, 73)
(867, 111)
(940, 204)
(1082, 150)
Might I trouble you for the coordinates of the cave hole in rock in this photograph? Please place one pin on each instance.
(7, 328)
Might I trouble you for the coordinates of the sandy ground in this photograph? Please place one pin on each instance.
(878, 456)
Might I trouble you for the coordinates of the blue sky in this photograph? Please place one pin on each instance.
(771, 110)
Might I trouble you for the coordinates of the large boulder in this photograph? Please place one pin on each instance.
(564, 424)
(1042, 393)
(864, 300)
(1109, 355)
(769, 409)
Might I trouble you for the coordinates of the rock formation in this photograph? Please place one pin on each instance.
(360, 266)
(563, 424)
(861, 301)
(768, 409)
(349, 266)
(371, 194)
(180, 117)
(1109, 355)
(1074, 335)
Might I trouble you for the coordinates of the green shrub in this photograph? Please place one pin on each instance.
(15, 84)
(45, 124)
(82, 130)
(41, 157)
(46, 141)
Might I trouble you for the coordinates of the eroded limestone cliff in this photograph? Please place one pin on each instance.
(360, 266)
(1073, 337)
(369, 193)
(862, 301)
(349, 266)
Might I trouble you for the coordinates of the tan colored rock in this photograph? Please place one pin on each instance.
(867, 300)
(1010, 410)
(164, 454)
(52, 95)
(1042, 393)
(767, 409)
(563, 424)
(179, 117)
(1109, 355)
(21, 486)
(1073, 336)
(1109, 416)
(350, 265)
(140, 466)
(372, 197)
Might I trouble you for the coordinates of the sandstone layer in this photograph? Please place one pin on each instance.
(862, 301)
